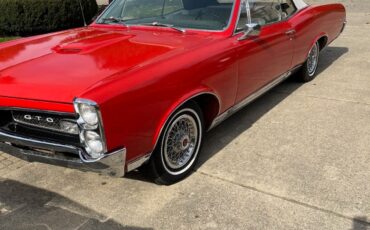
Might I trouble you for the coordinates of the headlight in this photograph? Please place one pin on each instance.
(88, 114)
(94, 144)
(91, 130)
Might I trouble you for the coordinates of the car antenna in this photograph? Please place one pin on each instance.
(82, 11)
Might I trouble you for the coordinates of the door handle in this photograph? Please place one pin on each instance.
(290, 32)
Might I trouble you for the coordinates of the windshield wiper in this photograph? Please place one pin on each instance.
(113, 19)
(182, 30)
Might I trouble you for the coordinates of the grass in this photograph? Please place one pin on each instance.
(4, 39)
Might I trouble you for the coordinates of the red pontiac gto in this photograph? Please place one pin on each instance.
(141, 85)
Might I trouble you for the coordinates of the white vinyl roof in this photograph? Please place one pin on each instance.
(300, 4)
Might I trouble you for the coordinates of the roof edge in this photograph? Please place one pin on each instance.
(300, 4)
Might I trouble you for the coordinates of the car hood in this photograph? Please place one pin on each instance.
(61, 66)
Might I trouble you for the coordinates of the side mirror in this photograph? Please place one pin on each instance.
(251, 30)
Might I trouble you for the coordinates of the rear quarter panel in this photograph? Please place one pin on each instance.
(314, 22)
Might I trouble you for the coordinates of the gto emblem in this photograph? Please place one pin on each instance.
(39, 118)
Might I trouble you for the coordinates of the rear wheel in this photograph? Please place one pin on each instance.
(178, 148)
(308, 70)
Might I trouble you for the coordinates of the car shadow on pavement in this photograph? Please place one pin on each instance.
(240, 122)
(361, 223)
(329, 55)
(26, 207)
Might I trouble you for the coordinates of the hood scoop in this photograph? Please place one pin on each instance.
(66, 50)
(90, 44)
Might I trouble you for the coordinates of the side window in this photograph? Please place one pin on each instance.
(265, 11)
(288, 8)
(262, 12)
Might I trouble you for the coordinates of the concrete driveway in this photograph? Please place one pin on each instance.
(297, 158)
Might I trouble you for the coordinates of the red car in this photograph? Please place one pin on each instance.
(141, 85)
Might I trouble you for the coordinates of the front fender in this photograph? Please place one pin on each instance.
(176, 105)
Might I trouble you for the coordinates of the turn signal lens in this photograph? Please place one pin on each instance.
(69, 127)
(89, 114)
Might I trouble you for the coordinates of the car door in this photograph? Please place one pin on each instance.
(267, 56)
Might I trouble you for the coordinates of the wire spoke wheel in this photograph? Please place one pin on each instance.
(308, 70)
(180, 142)
(313, 60)
(176, 154)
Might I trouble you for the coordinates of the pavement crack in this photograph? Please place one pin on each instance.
(82, 224)
(330, 212)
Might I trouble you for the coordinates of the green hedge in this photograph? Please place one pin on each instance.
(29, 17)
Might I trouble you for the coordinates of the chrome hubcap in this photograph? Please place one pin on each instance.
(185, 142)
(180, 142)
(313, 59)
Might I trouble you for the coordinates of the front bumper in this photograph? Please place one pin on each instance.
(33, 150)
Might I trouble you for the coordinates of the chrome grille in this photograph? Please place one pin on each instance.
(40, 120)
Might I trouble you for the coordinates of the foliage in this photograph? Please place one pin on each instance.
(7, 39)
(28, 17)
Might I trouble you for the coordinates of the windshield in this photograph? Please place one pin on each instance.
(187, 14)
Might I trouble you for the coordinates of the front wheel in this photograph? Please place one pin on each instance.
(178, 148)
(308, 70)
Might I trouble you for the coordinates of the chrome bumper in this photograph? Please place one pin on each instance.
(113, 164)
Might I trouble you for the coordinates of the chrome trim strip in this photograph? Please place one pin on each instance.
(250, 99)
(38, 111)
(138, 162)
(238, 18)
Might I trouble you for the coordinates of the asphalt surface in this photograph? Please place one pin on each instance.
(297, 158)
